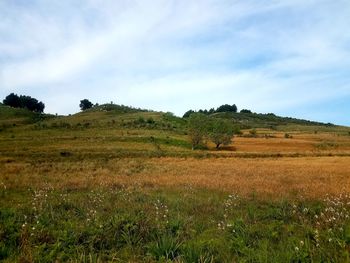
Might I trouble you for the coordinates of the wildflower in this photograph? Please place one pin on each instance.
(296, 249)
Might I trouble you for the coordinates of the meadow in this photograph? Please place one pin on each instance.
(123, 185)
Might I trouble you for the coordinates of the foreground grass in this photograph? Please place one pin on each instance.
(157, 224)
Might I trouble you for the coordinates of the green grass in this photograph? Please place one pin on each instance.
(183, 225)
(14, 117)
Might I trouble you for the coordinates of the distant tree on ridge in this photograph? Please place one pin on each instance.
(85, 104)
(22, 101)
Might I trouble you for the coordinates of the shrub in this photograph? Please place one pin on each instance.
(253, 133)
(150, 120)
(197, 128)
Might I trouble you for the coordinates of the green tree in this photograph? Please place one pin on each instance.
(245, 111)
(220, 131)
(197, 128)
(85, 104)
(22, 101)
(12, 100)
(227, 108)
(188, 113)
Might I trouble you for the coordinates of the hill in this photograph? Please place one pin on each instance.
(106, 113)
(269, 120)
(122, 131)
(10, 117)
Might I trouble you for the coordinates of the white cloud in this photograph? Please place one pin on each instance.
(176, 55)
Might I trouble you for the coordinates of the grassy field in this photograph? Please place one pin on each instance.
(115, 184)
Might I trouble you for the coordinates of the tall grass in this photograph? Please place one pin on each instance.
(183, 225)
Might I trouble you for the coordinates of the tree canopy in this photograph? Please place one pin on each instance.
(245, 111)
(222, 108)
(85, 104)
(227, 108)
(22, 101)
(197, 128)
(219, 131)
(188, 113)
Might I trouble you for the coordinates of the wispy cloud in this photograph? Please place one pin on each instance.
(175, 55)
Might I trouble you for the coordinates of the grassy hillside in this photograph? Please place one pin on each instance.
(10, 117)
(109, 114)
(118, 184)
(122, 131)
(270, 120)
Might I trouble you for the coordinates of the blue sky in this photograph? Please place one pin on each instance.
(290, 57)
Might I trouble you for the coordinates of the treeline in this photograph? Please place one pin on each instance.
(25, 102)
(222, 108)
(248, 119)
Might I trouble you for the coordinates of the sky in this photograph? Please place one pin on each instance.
(289, 57)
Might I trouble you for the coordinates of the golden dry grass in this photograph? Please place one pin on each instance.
(299, 143)
(267, 177)
(93, 162)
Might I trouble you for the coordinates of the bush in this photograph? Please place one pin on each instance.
(150, 120)
(197, 128)
(245, 111)
(253, 133)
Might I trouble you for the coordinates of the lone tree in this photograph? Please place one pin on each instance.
(85, 104)
(197, 128)
(22, 101)
(220, 131)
